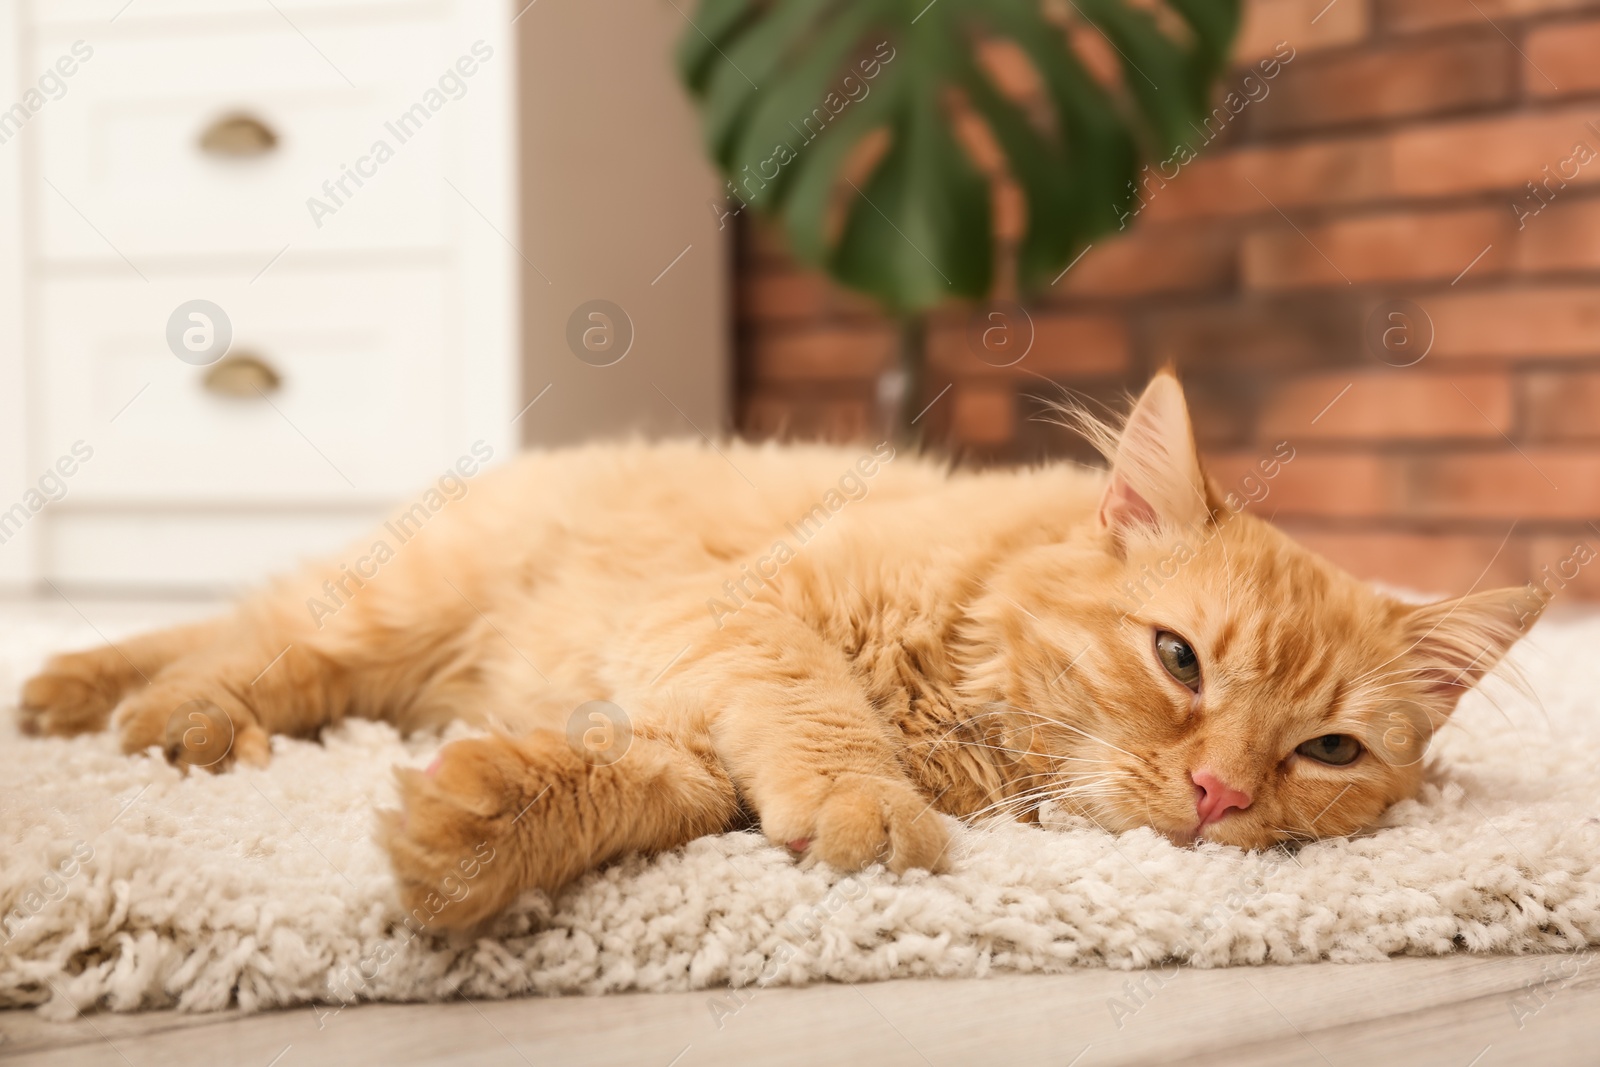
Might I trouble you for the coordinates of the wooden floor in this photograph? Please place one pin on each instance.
(1453, 1012)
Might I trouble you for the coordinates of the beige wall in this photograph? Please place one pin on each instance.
(614, 186)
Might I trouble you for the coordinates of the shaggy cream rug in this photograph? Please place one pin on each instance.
(125, 885)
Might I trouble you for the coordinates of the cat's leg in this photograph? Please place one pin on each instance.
(805, 747)
(283, 670)
(407, 647)
(778, 722)
(221, 703)
(75, 691)
(397, 651)
(496, 815)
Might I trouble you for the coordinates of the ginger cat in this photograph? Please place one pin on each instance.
(836, 642)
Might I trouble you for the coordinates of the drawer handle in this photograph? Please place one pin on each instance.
(238, 135)
(243, 377)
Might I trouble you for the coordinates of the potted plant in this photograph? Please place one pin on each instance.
(838, 119)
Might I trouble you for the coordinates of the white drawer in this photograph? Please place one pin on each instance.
(194, 551)
(97, 13)
(367, 411)
(121, 172)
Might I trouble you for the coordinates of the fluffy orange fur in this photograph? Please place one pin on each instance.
(834, 642)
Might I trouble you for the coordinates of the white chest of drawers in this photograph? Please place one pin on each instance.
(338, 177)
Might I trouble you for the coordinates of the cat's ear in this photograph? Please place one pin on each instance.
(1455, 643)
(1155, 468)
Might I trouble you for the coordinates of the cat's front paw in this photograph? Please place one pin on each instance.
(458, 844)
(855, 820)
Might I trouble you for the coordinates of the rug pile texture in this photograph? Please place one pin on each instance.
(126, 885)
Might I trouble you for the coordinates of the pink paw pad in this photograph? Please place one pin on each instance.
(800, 844)
(433, 768)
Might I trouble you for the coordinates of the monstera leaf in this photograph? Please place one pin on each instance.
(803, 99)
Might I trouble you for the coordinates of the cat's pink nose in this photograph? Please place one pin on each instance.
(1214, 798)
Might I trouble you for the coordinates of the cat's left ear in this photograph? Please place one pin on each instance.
(1455, 643)
(1155, 470)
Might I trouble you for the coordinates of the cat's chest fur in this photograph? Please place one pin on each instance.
(904, 624)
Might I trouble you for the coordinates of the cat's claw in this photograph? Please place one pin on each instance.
(856, 820)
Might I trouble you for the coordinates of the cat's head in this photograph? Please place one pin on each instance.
(1182, 664)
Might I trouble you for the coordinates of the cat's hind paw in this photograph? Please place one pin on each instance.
(454, 843)
(194, 724)
(71, 695)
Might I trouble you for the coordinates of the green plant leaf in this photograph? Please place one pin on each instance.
(797, 95)
(698, 48)
(748, 59)
(811, 188)
(794, 110)
(911, 242)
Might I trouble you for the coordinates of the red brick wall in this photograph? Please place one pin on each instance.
(1383, 163)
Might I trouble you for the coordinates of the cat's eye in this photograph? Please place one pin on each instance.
(1336, 750)
(1178, 658)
